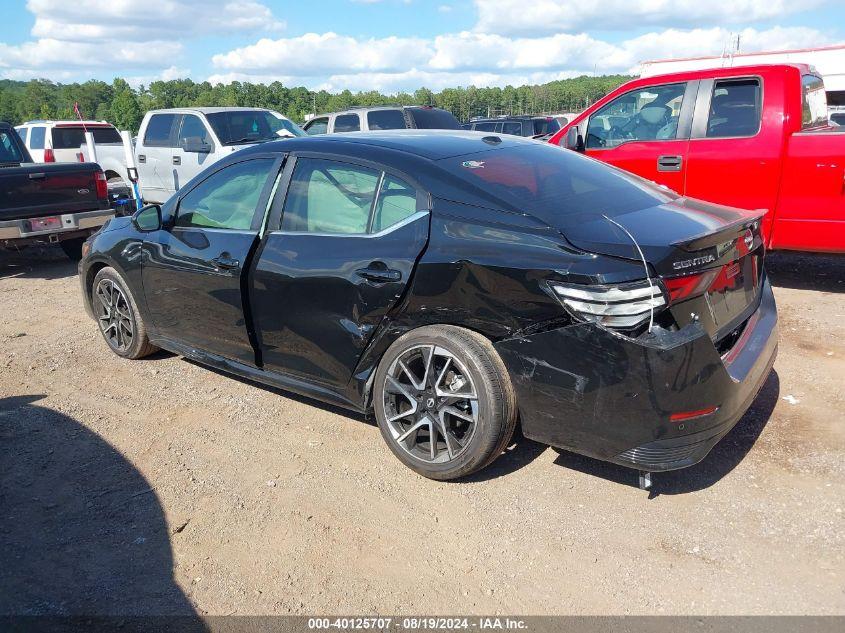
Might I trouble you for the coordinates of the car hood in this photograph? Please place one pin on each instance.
(675, 237)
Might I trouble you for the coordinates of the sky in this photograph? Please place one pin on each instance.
(390, 45)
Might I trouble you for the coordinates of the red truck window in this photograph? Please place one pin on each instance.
(735, 108)
(645, 114)
(814, 111)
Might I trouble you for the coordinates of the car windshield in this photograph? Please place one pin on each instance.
(559, 187)
(73, 137)
(236, 127)
(9, 150)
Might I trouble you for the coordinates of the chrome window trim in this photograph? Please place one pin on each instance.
(411, 218)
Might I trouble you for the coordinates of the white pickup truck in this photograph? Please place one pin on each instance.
(175, 145)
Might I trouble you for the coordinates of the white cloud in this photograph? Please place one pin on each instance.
(152, 19)
(52, 54)
(511, 17)
(390, 64)
(326, 53)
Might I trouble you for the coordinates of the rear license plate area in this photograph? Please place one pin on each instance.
(733, 290)
(39, 225)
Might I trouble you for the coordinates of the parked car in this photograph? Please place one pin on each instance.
(61, 141)
(447, 280)
(370, 119)
(58, 202)
(837, 118)
(175, 145)
(517, 125)
(754, 137)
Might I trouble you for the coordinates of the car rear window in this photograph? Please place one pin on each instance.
(434, 119)
(36, 138)
(557, 187)
(73, 137)
(386, 120)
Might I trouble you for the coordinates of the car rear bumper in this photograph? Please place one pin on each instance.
(595, 392)
(22, 229)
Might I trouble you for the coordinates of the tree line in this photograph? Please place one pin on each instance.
(124, 106)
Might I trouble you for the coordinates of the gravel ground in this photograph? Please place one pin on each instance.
(159, 486)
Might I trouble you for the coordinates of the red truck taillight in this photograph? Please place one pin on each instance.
(102, 185)
(49, 156)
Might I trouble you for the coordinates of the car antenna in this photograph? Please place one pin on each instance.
(645, 265)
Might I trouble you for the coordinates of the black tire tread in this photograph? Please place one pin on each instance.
(141, 347)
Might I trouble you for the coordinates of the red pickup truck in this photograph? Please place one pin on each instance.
(753, 137)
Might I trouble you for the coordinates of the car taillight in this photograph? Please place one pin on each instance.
(102, 185)
(80, 157)
(686, 286)
(618, 306)
(49, 156)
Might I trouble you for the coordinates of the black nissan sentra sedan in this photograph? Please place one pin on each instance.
(453, 283)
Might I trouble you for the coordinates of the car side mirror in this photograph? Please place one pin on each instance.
(196, 146)
(148, 219)
(573, 140)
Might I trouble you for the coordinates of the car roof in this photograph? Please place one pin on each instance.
(357, 109)
(208, 110)
(428, 144)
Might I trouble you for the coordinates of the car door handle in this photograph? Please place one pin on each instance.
(224, 261)
(379, 273)
(669, 163)
(142, 158)
(37, 176)
(177, 160)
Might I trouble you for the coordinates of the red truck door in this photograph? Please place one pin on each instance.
(645, 131)
(734, 151)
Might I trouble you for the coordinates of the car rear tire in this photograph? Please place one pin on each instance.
(73, 248)
(118, 317)
(449, 384)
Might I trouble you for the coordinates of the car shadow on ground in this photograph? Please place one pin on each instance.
(724, 457)
(83, 531)
(806, 271)
(36, 262)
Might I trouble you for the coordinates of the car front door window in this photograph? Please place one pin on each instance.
(646, 114)
(227, 199)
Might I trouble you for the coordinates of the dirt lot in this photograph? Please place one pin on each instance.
(159, 486)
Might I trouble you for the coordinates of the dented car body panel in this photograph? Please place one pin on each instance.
(314, 312)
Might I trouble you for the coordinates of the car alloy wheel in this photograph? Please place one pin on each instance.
(114, 315)
(430, 404)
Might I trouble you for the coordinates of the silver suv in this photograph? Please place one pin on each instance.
(382, 118)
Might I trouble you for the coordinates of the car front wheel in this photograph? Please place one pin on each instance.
(117, 315)
(444, 401)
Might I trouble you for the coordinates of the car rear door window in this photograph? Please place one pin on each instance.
(227, 199)
(329, 197)
(386, 120)
(317, 126)
(814, 102)
(487, 126)
(159, 130)
(512, 127)
(36, 139)
(644, 114)
(397, 201)
(22, 132)
(735, 108)
(194, 129)
(347, 123)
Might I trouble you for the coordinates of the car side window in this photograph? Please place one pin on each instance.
(397, 200)
(814, 102)
(193, 129)
(512, 127)
(347, 123)
(9, 152)
(158, 130)
(487, 126)
(36, 138)
(645, 114)
(329, 197)
(317, 126)
(386, 120)
(227, 199)
(23, 132)
(735, 108)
